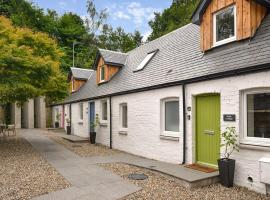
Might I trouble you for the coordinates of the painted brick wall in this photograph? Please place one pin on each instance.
(144, 125)
(79, 127)
(143, 135)
(230, 91)
(103, 131)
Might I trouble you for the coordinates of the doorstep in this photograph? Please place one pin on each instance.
(188, 178)
(74, 138)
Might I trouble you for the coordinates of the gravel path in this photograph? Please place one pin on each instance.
(83, 149)
(158, 186)
(24, 173)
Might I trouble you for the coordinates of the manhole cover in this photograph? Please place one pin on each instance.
(137, 176)
(76, 145)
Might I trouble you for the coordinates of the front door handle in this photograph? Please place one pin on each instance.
(209, 132)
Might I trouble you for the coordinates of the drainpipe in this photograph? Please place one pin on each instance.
(184, 123)
(110, 122)
(70, 116)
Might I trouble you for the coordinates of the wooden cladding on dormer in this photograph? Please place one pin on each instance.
(109, 71)
(249, 16)
(76, 84)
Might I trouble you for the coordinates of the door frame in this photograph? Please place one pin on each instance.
(194, 124)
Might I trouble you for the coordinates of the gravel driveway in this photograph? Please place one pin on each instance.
(24, 173)
(158, 186)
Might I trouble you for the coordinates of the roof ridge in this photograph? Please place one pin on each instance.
(112, 51)
(161, 37)
(81, 68)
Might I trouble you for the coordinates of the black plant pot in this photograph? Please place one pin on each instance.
(56, 124)
(226, 171)
(93, 137)
(68, 130)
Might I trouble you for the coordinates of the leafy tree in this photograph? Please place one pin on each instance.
(29, 65)
(176, 16)
(118, 40)
(88, 33)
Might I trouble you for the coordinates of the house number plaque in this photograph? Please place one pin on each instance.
(229, 118)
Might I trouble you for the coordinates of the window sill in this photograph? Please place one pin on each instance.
(254, 147)
(255, 142)
(223, 42)
(102, 82)
(163, 137)
(80, 122)
(104, 124)
(170, 134)
(123, 133)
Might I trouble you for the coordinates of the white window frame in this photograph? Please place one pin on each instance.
(81, 115)
(121, 117)
(101, 110)
(102, 80)
(244, 138)
(163, 131)
(231, 39)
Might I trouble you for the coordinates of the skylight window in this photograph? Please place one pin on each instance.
(146, 60)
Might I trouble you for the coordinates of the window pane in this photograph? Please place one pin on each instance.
(258, 115)
(104, 110)
(102, 77)
(81, 111)
(172, 116)
(124, 116)
(225, 25)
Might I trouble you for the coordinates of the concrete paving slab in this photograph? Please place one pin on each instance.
(74, 138)
(87, 180)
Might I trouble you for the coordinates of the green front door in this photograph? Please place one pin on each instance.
(208, 129)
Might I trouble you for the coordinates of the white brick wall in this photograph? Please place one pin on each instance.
(144, 127)
(79, 127)
(230, 92)
(103, 131)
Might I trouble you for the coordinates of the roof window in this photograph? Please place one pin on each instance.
(146, 60)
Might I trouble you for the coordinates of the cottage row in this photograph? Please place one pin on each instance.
(171, 99)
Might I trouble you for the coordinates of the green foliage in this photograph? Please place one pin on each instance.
(68, 121)
(58, 117)
(95, 123)
(229, 141)
(69, 28)
(118, 40)
(176, 16)
(29, 65)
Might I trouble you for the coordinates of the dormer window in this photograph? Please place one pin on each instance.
(102, 73)
(224, 26)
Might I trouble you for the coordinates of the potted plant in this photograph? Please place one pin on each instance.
(56, 124)
(226, 165)
(68, 126)
(93, 126)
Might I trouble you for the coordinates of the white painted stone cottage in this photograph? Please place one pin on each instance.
(171, 98)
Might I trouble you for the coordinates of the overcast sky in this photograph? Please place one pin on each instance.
(131, 15)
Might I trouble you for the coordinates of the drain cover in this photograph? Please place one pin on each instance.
(137, 176)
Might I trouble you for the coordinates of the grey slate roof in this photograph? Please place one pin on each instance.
(179, 58)
(113, 57)
(80, 73)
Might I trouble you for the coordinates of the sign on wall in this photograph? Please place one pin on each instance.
(229, 117)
